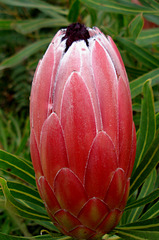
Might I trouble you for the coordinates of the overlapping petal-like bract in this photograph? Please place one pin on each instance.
(83, 139)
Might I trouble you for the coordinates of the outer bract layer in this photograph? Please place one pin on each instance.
(83, 139)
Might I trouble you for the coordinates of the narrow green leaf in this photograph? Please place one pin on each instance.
(74, 11)
(136, 86)
(144, 3)
(147, 124)
(3, 137)
(157, 120)
(24, 53)
(146, 189)
(139, 53)
(47, 225)
(114, 6)
(143, 201)
(137, 107)
(38, 4)
(148, 163)
(137, 235)
(24, 137)
(148, 225)
(156, 106)
(148, 37)
(152, 18)
(151, 3)
(20, 191)
(136, 26)
(28, 26)
(17, 207)
(135, 72)
(47, 237)
(5, 24)
(151, 213)
(17, 167)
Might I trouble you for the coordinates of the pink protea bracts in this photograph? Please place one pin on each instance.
(83, 139)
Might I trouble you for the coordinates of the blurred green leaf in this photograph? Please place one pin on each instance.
(5, 24)
(23, 192)
(148, 163)
(139, 53)
(148, 37)
(17, 167)
(38, 4)
(124, 7)
(143, 194)
(24, 138)
(148, 225)
(136, 26)
(19, 208)
(143, 201)
(136, 85)
(137, 235)
(157, 120)
(24, 53)
(137, 107)
(150, 3)
(41, 237)
(3, 136)
(28, 26)
(152, 18)
(151, 212)
(147, 124)
(74, 11)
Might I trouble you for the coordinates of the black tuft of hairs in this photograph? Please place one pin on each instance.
(76, 32)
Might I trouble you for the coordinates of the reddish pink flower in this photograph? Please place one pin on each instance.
(83, 139)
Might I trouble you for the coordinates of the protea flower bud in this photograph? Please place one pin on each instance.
(83, 139)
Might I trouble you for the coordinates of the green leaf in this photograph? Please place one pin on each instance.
(23, 192)
(47, 237)
(50, 9)
(28, 26)
(143, 201)
(148, 225)
(152, 212)
(3, 136)
(157, 120)
(136, 86)
(24, 53)
(156, 106)
(152, 18)
(5, 24)
(17, 207)
(24, 137)
(151, 3)
(137, 107)
(143, 196)
(148, 163)
(137, 235)
(141, 230)
(114, 6)
(74, 11)
(139, 53)
(136, 26)
(147, 124)
(17, 167)
(148, 37)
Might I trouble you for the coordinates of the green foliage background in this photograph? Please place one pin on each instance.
(26, 28)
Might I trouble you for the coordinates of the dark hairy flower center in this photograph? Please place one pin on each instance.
(75, 32)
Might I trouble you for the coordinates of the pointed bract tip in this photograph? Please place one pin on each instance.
(76, 32)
